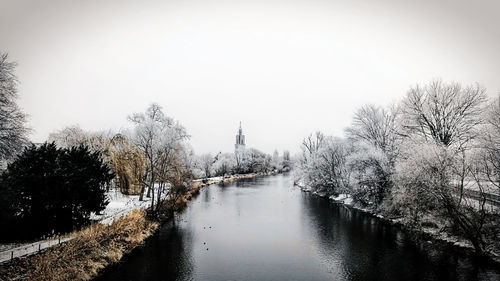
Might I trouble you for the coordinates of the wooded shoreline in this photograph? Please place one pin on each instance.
(418, 234)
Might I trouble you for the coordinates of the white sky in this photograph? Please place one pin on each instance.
(284, 68)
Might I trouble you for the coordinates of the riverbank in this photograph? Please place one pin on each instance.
(429, 232)
(99, 245)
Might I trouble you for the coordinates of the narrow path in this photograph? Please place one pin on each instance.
(29, 249)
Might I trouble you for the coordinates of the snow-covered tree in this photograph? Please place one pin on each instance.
(414, 180)
(242, 161)
(447, 113)
(70, 136)
(258, 161)
(206, 162)
(161, 140)
(276, 161)
(371, 173)
(117, 151)
(312, 143)
(286, 162)
(13, 131)
(488, 156)
(75, 136)
(433, 181)
(376, 145)
(376, 126)
(324, 169)
(224, 164)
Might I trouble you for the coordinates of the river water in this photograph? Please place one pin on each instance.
(267, 229)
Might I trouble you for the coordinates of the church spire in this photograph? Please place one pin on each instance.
(240, 139)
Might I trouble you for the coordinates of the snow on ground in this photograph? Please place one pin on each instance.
(342, 198)
(209, 179)
(486, 186)
(119, 205)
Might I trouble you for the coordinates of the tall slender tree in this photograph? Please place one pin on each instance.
(13, 131)
(161, 139)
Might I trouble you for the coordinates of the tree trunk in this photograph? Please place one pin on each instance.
(141, 194)
(153, 201)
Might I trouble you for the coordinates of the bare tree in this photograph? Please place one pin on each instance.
(70, 136)
(376, 146)
(310, 145)
(173, 159)
(206, 161)
(158, 136)
(286, 162)
(490, 144)
(242, 158)
(445, 112)
(376, 126)
(372, 174)
(276, 161)
(13, 131)
(224, 163)
(313, 143)
(434, 181)
(325, 170)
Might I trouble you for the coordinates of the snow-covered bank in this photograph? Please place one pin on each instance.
(216, 179)
(119, 205)
(425, 233)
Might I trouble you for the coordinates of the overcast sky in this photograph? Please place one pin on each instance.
(283, 68)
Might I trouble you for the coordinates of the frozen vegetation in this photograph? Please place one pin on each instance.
(430, 163)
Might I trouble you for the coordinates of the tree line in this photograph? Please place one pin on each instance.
(433, 159)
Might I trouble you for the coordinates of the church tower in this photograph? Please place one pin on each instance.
(240, 140)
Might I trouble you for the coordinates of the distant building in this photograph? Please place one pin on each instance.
(240, 140)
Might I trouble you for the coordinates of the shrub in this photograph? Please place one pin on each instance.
(51, 190)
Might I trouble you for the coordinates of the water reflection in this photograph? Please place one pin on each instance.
(155, 261)
(367, 249)
(266, 229)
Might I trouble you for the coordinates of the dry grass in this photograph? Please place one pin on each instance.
(82, 258)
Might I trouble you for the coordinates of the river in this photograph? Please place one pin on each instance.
(266, 229)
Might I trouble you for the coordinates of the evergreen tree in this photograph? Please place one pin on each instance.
(52, 190)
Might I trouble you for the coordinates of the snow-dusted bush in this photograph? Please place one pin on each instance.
(488, 152)
(371, 174)
(417, 177)
(435, 180)
(203, 167)
(324, 170)
(225, 163)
